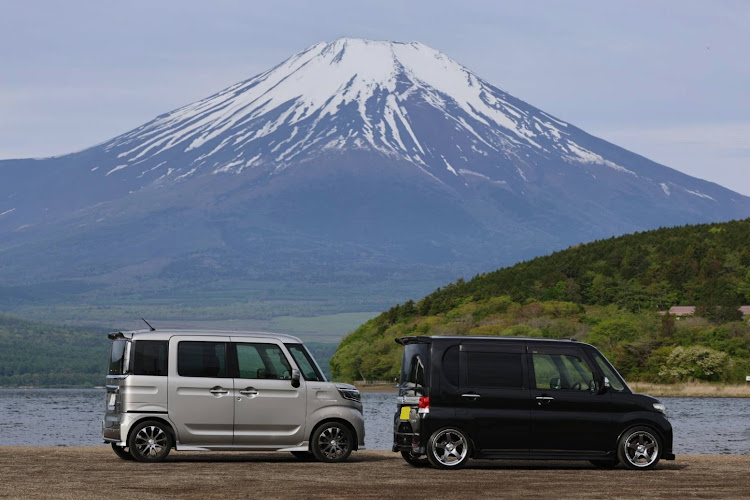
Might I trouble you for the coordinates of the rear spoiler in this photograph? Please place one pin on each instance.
(413, 340)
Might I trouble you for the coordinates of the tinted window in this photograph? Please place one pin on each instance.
(450, 365)
(305, 362)
(494, 369)
(150, 357)
(562, 371)
(116, 353)
(201, 359)
(615, 381)
(263, 361)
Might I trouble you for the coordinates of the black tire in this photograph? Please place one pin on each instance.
(122, 452)
(448, 448)
(639, 448)
(605, 464)
(150, 441)
(305, 456)
(414, 460)
(331, 442)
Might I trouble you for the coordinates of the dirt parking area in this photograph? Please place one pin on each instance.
(95, 472)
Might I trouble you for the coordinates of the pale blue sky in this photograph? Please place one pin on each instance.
(669, 80)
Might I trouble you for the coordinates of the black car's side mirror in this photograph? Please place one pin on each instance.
(604, 386)
(295, 378)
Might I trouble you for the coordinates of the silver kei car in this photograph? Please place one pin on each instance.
(212, 390)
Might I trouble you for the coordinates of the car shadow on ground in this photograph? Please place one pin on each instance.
(552, 465)
(261, 457)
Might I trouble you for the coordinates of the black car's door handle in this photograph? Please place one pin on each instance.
(544, 400)
(471, 396)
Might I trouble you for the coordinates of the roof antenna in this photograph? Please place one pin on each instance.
(150, 327)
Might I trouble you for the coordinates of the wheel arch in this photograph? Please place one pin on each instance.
(337, 420)
(642, 423)
(152, 418)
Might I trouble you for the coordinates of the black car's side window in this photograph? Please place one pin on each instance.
(494, 370)
(562, 371)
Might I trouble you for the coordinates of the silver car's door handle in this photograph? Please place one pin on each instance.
(471, 396)
(249, 392)
(218, 390)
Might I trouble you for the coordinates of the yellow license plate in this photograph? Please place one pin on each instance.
(405, 412)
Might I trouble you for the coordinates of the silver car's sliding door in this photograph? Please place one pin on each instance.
(201, 392)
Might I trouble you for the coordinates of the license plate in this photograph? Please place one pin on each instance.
(405, 410)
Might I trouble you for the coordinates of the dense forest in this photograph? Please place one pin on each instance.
(608, 293)
(36, 354)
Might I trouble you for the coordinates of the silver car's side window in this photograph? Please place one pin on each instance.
(262, 361)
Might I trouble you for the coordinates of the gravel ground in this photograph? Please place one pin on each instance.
(95, 472)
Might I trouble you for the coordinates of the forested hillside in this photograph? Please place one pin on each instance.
(36, 354)
(607, 293)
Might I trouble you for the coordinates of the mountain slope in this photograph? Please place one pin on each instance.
(356, 161)
(606, 292)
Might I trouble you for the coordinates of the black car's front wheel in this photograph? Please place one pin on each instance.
(639, 448)
(448, 448)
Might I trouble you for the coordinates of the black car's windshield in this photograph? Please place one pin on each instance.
(616, 382)
(305, 362)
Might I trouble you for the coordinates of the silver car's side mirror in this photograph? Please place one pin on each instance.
(295, 378)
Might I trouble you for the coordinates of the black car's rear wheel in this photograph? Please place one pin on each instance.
(448, 449)
(639, 448)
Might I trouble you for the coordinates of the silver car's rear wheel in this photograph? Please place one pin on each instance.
(639, 448)
(150, 442)
(332, 442)
(448, 449)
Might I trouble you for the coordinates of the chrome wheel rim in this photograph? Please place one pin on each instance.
(151, 441)
(449, 447)
(333, 442)
(641, 449)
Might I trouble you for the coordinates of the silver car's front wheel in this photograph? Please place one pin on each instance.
(448, 449)
(150, 442)
(332, 442)
(639, 448)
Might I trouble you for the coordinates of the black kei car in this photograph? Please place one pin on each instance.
(516, 398)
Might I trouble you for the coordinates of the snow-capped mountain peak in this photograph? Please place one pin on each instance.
(350, 94)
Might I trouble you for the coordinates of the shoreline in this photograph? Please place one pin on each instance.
(679, 390)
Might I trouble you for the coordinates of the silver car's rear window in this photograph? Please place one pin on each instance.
(116, 356)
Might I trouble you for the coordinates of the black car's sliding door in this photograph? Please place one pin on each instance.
(493, 401)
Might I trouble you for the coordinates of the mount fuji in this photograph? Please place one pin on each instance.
(352, 161)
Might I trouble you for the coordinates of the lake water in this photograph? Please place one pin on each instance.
(71, 417)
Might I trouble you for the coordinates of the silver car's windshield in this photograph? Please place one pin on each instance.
(306, 363)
